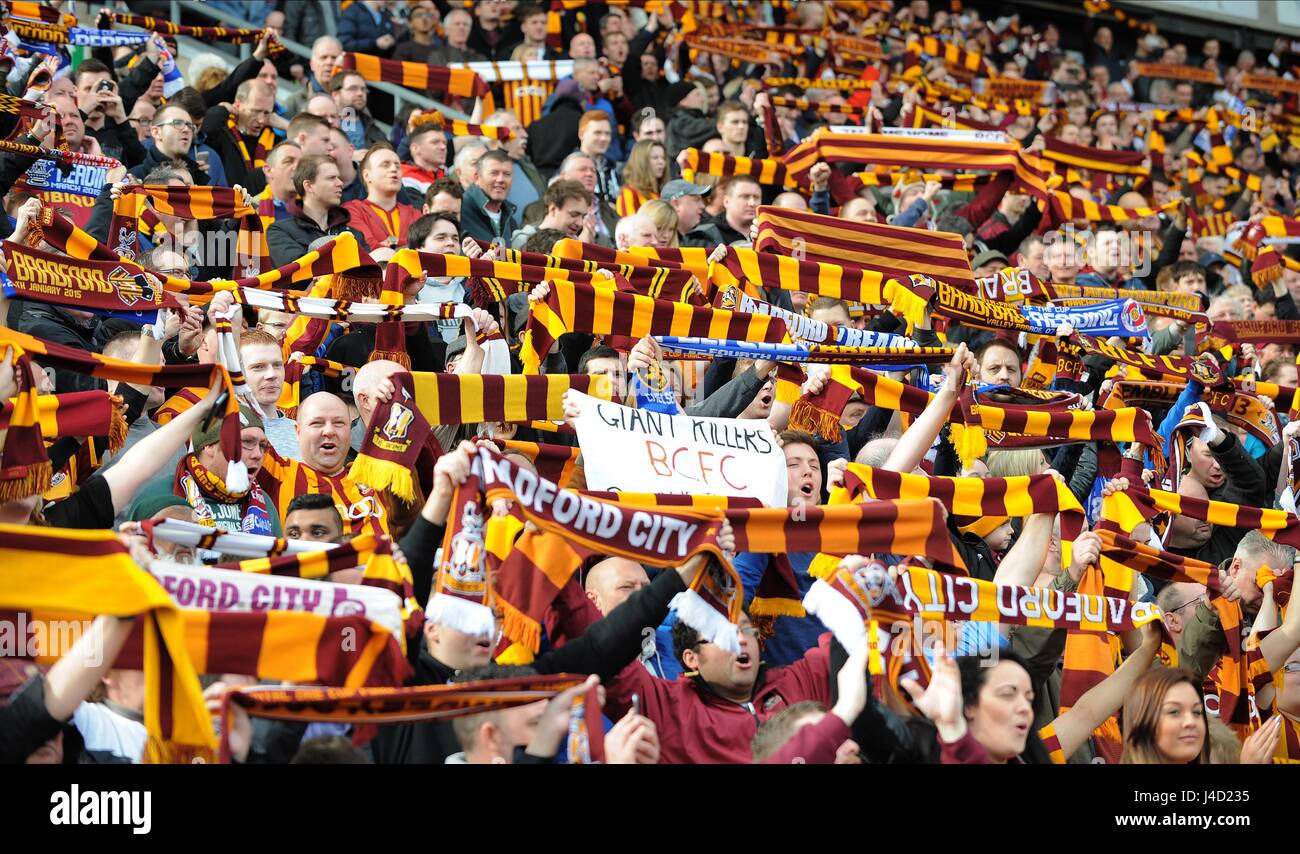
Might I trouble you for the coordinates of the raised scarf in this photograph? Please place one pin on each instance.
(84, 284)
(88, 573)
(975, 497)
(60, 356)
(875, 358)
(767, 170)
(892, 250)
(573, 307)
(1204, 369)
(198, 486)
(805, 328)
(461, 128)
(460, 82)
(75, 413)
(1128, 509)
(353, 274)
(754, 270)
(229, 35)
(1122, 317)
(571, 526)
(373, 706)
(24, 464)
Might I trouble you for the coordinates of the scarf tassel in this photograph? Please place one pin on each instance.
(354, 288)
(906, 303)
(836, 612)
(969, 442)
(462, 615)
(383, 475)
(25, 480)
(1266, 268)
(516, 653)
(398, 356)
(775, 606)
(806, 416)
(236, 478)
(117, 426)
(160, 752)
(696, 612)
(520, 628)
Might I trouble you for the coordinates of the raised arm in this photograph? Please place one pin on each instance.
(911, 448)
(141, 463)
(1105, 698)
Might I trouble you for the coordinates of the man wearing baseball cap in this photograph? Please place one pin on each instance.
(687, 201)
(198, 480)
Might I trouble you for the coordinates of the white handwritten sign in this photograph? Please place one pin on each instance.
(634, 450)
(230, 590)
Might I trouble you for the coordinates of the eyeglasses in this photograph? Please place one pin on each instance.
(747, 631)
(178, 124)
(1184, 605)
(255, 444)
(174, 272)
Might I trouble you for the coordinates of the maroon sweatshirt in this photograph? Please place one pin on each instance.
(814, 744)
(696, 726)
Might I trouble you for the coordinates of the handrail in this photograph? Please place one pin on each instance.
(401, 95)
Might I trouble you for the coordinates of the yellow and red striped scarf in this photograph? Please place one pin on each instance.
(630, 201)
(60, 356)
(87, 573)
(265, 140)
(76, 413)
(895, 251)
(460, 82)
(581, 308)
(767, 170)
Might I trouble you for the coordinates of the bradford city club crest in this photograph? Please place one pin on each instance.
(398, 425)
(129, 290)
(873, 578)
(467, 553)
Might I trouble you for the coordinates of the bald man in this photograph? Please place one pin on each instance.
(373, 386)
(1177, 601)
(324, 431)
(611, 581)
(608, 585)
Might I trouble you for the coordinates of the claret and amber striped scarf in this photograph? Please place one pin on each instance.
(87, 573)
(768, 170)
(136, 211)
(571, 307)
(24, 464)
(892, 250)
(460, 128)
(203, 375)
(229, 35)
(350, 272)
(460, 82)
(367, 707)
(974, 497)
(75, 414)
(567, 527)
(1135, 505)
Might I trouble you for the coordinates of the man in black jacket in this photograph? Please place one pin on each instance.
(242, 138)
(171, 134)
(318, 213)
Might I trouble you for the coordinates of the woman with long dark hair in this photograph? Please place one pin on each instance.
(1164, 721)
